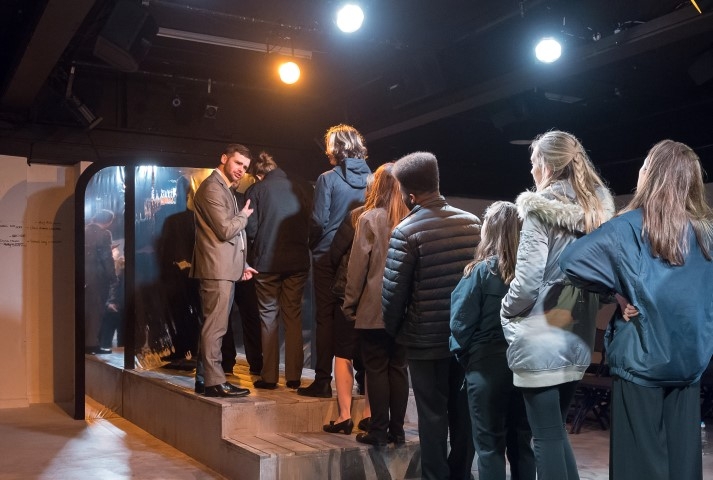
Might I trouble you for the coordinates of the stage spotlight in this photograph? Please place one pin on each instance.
(176, 102)
(350, 17)
(289, 72)
(548, 50)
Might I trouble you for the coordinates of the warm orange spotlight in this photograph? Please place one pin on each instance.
(289, 72)
(696, 5)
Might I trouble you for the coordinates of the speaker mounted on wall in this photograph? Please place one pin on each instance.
(126, 37)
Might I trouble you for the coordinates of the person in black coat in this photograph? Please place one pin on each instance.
(427, 253)
(278, 234)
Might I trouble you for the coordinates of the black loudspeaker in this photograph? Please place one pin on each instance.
(126, 37)
(702, 69)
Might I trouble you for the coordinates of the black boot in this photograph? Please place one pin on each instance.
(319, 388)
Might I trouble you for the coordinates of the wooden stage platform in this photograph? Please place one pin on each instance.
(267, 435)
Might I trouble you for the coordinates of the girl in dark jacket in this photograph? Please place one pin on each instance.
(497, 410)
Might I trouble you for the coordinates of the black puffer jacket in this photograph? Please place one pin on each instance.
(427, 253)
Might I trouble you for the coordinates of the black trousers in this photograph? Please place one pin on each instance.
(246, 301)
(387, 376)
(325, 304)
(655, 432)
(442, 405)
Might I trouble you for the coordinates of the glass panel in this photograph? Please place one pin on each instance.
(167, 302)
(104, 261)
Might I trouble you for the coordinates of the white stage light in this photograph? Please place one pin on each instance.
(548, 50)
(349, 18)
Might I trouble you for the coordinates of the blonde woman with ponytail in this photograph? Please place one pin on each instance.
(548, 324)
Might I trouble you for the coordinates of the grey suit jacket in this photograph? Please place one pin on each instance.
(220, 248)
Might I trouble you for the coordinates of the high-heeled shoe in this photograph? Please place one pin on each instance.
(344, 427)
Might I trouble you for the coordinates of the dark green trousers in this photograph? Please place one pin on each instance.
(655, 432)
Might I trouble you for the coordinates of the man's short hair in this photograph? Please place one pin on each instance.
(234, 148)
(417, 172)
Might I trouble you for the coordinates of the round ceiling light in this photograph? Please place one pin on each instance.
(289, 72)
(349, 18)
(548, 50)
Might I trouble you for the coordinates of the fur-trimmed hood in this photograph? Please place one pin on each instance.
(556, 206)
(543, 350)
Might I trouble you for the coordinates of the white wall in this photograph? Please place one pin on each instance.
(37, 282)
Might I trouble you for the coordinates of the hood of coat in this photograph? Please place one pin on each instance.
(354, 171)
(556, 205)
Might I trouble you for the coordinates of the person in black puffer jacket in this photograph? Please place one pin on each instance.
(427, 253)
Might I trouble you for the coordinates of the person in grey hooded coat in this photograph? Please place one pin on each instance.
(548, 324)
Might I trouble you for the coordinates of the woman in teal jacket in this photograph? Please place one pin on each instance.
(657, 254)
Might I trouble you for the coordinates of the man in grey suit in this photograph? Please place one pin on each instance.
(218, 262)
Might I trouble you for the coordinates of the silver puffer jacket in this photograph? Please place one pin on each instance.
(549, 325)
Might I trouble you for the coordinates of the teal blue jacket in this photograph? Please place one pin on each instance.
(476, 332)
(670, 342)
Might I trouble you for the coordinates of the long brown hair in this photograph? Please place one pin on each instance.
(561, 156)
(672, 196)
(499, 236)
(384, 193)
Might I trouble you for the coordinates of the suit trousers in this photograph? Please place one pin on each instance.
(280, 294)
(325, 303)
(663, 423)
(216, 301)
(387, 374)
(442, 405)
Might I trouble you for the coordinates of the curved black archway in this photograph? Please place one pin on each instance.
(142, 196)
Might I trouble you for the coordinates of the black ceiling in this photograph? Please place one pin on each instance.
(455, 77)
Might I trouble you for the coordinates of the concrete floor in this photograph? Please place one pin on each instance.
(42, 442)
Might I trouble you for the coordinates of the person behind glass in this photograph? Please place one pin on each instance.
(383, 358)
(658, 254)
(547, 353)
(278, 232)
(180, 292)
(114, 319)
(497, 410)
(99, 276)
(427, 253)
(218, 262)
(336, 192)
